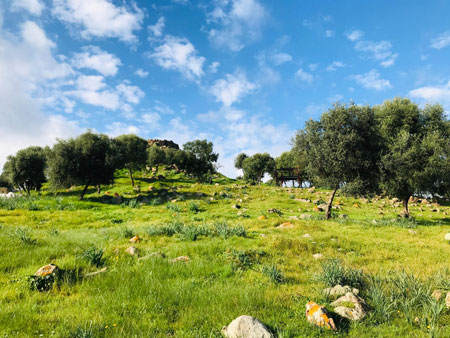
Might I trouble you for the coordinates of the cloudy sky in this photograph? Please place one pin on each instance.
(244, 74)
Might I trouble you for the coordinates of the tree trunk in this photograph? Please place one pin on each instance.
(330, 203)
(98, 189)
(131, 176)
(405, 208)
(84, 191)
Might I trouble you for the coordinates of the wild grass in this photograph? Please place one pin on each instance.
(237, 265)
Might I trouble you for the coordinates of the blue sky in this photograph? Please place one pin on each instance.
(245, 74)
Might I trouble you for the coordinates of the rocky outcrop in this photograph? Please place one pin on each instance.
(318, 316)
(163, 144)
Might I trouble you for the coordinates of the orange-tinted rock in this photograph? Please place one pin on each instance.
(262, 217)
(135, 239)
(318, 315)
(46, 270)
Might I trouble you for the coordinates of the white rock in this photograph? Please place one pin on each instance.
(307, 236)
(246, 327)
(355, 312)
(447, 236)
(318, 256)
(339, 290)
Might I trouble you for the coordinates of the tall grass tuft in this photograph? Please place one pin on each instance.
(274, 274)
(23, 235)
(334, 273)
(93, 255)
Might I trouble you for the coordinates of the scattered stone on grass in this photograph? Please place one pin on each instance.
(181, 259)
(305, 216)
(447, 236)
(274, 211)
(318, 315)
(91, 274)
(318, 256)
(293, 218)
(47, 270)
(412, 232)
(345, 216)
(339, 290)
(350, 307)
(131, 251)
(286, 225)
(135, 239)
(307, 236)
(236, 206)
(246, 327)
(262, 217)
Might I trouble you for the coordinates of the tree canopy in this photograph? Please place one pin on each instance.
(256, 166)
(201, 158)
(86, 160)
(342, 148)
(25, 170)
(131, 153)
(415, 158)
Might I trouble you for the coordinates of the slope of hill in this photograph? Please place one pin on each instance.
(241, 250)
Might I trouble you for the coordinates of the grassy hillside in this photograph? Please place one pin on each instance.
(239, 262)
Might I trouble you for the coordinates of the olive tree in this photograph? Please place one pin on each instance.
(342, 147)
(25, 170)
(416, 150)
(88, 160)
(131, 153)
(256, 166)
(201, 160)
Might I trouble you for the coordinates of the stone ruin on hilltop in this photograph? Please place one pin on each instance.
(163, 143)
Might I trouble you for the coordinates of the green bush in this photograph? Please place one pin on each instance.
(274, 274)
(93, 255)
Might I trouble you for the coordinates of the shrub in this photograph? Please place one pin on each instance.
(165, 230)
(132, 203)
(127, 232)
(243, 260)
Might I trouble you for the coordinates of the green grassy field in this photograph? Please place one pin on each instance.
(239, 263)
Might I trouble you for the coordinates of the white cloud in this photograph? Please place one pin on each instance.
(313, 66)
(120, 128)
(34, 7)
(29, 72)
(441, 41)
(372, 80)
(304, 76)
(329, 33)
(179, 54)
(434, 94)
(334, 66)
(238, 21)
(376, 50)
(354, 35)
(100, 18)
(92, 90)
(232, 88)
(279, 58)
(141, 73)
(97, 59)
(131, 94)
(158, 27)
(212, 68)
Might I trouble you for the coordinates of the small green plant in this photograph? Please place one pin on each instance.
(127, 232)
(117, 221)
(38, 283)
(193, 207)
(222, 229)
(173, 207)
(274, 274)
(24, 236)
(85, 332)
(93, 255)
(244, 260)
(334, 273)
(132, 203)
(165, 230)
(190, 233)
